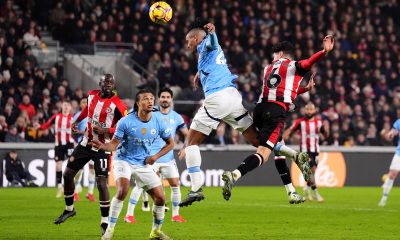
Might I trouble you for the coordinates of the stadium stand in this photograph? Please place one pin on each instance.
(357, 88)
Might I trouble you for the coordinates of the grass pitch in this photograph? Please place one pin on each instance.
(252, 213)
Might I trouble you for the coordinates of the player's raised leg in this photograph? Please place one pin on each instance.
(133, 200)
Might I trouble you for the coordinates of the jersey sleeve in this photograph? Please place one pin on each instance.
(165, 131)
(120, 129)
(47, 124)
(180, 122)
(295, 126)
(120, 111)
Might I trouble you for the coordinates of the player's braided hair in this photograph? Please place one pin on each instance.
(285, 46)
(137, 98)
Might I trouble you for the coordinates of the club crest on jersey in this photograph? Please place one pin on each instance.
(153, 131)
(143, 131)
(108, 110)
(171, 121)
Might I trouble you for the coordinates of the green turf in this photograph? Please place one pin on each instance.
(252, 213)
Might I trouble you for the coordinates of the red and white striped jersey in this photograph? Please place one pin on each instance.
(281, 81)
(309, 131)
(62, 128)
(103, 112)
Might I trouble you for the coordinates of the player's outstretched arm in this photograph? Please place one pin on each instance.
(213, 41)
(328, 43)
(169, 145)
(108, 147)
(310, 85)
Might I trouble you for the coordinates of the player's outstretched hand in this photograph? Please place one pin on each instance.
(328, 43)
(150, 160)
(311, 82)
(99, 130)
(210, 28)
(74, 128)
(196, 81)
(96, 144)
(181, 154)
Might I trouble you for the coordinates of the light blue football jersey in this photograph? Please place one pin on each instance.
(396, 125)
(137, 137)
(213, 71)
(81, 125)
(173, 121)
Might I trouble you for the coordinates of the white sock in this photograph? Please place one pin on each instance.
(287, 152)
(133, 199)
(104, 220)
(289, 188)
(158, 217)
(145, 197)
(69, 208)
(315, 192)
(175, 199)
(193, 163)
(387, 186)
(59, 185)
(236, 174)
(92, 181)
(115, 210)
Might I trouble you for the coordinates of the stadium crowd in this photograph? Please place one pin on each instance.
(357, 86)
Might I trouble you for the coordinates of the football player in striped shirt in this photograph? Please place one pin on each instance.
(310, 127)
(103, 111)
(64, 143)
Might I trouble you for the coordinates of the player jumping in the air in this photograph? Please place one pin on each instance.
(134, 138)
(394, 166)
(280, 88)
(310, 127)
(64, 143)
(223, 102)
(166, 165)
(104, 109)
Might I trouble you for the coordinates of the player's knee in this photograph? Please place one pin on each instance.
(393, 174)
(69, 174)
(101, 183)
(121, 194)
(159, 200)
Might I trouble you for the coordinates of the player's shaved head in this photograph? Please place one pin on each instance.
(197, 32)
(194, 37)
(310, 105)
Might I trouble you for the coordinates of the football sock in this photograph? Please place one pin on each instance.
(69, 200)
(175, 199)
(133, 199)
(284, 150)
(145, 197)
(249, 164)
(59, 177)
(115, 210)
(193, 163)
(387, 186)
(158, 217)
(104, 208)
(92, 180)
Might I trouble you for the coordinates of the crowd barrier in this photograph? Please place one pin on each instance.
(338, 166)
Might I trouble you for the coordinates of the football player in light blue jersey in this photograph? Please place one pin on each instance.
(133, 139)
(394, 166)
(165, 165)
(91, 176)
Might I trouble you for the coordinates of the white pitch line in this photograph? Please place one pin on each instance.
(380, 209)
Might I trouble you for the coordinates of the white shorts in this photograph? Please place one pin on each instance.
(144, 176)
(167, 170)
(225, 105)
(395, 165)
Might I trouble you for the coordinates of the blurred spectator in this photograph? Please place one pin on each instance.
(15, 171)
(12, 135)
(27, 106)
(220, 138)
